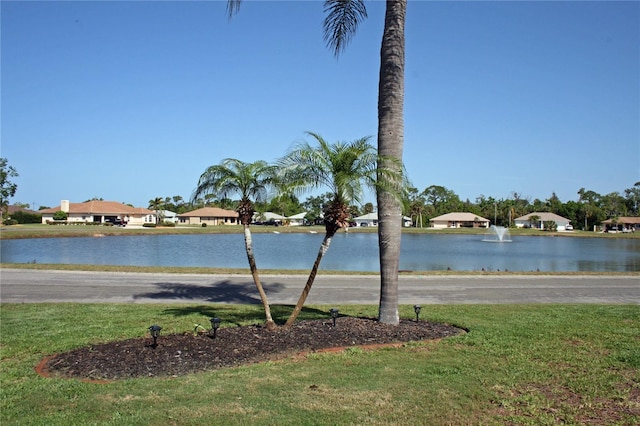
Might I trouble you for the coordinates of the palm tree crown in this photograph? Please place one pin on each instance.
(251, 181)
(345, 168)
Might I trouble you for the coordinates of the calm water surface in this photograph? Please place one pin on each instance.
(348, 252)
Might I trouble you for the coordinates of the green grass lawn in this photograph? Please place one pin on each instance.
(519, 364)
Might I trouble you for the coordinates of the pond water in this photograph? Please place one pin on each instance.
(348, 252)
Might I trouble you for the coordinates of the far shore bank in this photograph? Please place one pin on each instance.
(67, 231)
(272, 272)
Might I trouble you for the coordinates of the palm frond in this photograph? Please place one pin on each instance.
(341, 22)
(233, 7)
(251, 181)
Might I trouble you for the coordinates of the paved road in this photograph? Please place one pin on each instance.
(28, 286)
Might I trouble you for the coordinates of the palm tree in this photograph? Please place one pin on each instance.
(157, 205)
(340, 24)
(344, 168)
(252, 182)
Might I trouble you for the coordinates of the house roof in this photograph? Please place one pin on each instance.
(13, 209)
(298, 216)
(459, 217)
(624, 220)
(210, 212)
(272, 216)
(368, 216)
(100, 207)
(374, 216)
(543, 216)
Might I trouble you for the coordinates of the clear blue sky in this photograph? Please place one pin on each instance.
(129, 101)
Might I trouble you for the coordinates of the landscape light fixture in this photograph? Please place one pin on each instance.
(334, 314)
(215, 325)
(416, 309)
(155, 332)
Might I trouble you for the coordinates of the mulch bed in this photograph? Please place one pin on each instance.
(179, 354)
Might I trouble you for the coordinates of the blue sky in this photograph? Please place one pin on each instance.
(128, 101)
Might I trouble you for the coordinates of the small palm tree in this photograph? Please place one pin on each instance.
(157, 205)
(344, 168)
(252, 182)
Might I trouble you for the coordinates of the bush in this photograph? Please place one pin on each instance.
(148, 225)
(204, 225)
(24, 217)
(168, 223)
(60, 215)
(9, 222)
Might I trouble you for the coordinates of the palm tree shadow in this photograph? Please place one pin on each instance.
(216, 292)
(231, 314)
(221, 293)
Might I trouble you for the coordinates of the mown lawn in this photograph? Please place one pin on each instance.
(518, 364)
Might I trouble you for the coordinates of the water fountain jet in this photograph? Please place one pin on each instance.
(497, 234)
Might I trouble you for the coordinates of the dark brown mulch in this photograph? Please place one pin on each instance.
(180, 354)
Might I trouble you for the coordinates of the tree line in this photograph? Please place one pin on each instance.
(590, 209)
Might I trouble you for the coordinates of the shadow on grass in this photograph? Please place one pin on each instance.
(234, 315)
(227, 292)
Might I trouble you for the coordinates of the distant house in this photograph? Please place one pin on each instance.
(296, 219)
(268, 217)
(14, 209)
(537, 220)
(371, 219)
(166, 215)
(622, 224)
(209, 216)
(459, 220)
(100, 212)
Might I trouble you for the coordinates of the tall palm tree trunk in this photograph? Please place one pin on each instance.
(326, 242)
(390, 145)
(248, 242)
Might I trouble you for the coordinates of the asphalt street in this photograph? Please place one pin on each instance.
(30, 286)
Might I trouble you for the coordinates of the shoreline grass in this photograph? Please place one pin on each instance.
(266, 272)
(518, 364)
(67, 231)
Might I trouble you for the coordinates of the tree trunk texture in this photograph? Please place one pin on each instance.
(248, 242)
(326, 242)
(390, 145)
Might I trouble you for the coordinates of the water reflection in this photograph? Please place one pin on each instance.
(348, 252)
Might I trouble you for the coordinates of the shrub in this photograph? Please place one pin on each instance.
(60, 215)
(24, 217)
(204, 225)
(168, 223)
(148, 225)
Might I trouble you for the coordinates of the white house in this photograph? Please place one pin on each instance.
(269, 217)
(371, 219)
(296, 219)
(459, 220)
(167, 216)
(96, 211)
(527, 221)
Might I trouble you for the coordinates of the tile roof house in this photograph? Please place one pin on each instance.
(209, 216)
(459, 220)
(100, 212)
(542, 217)
(622, 223)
